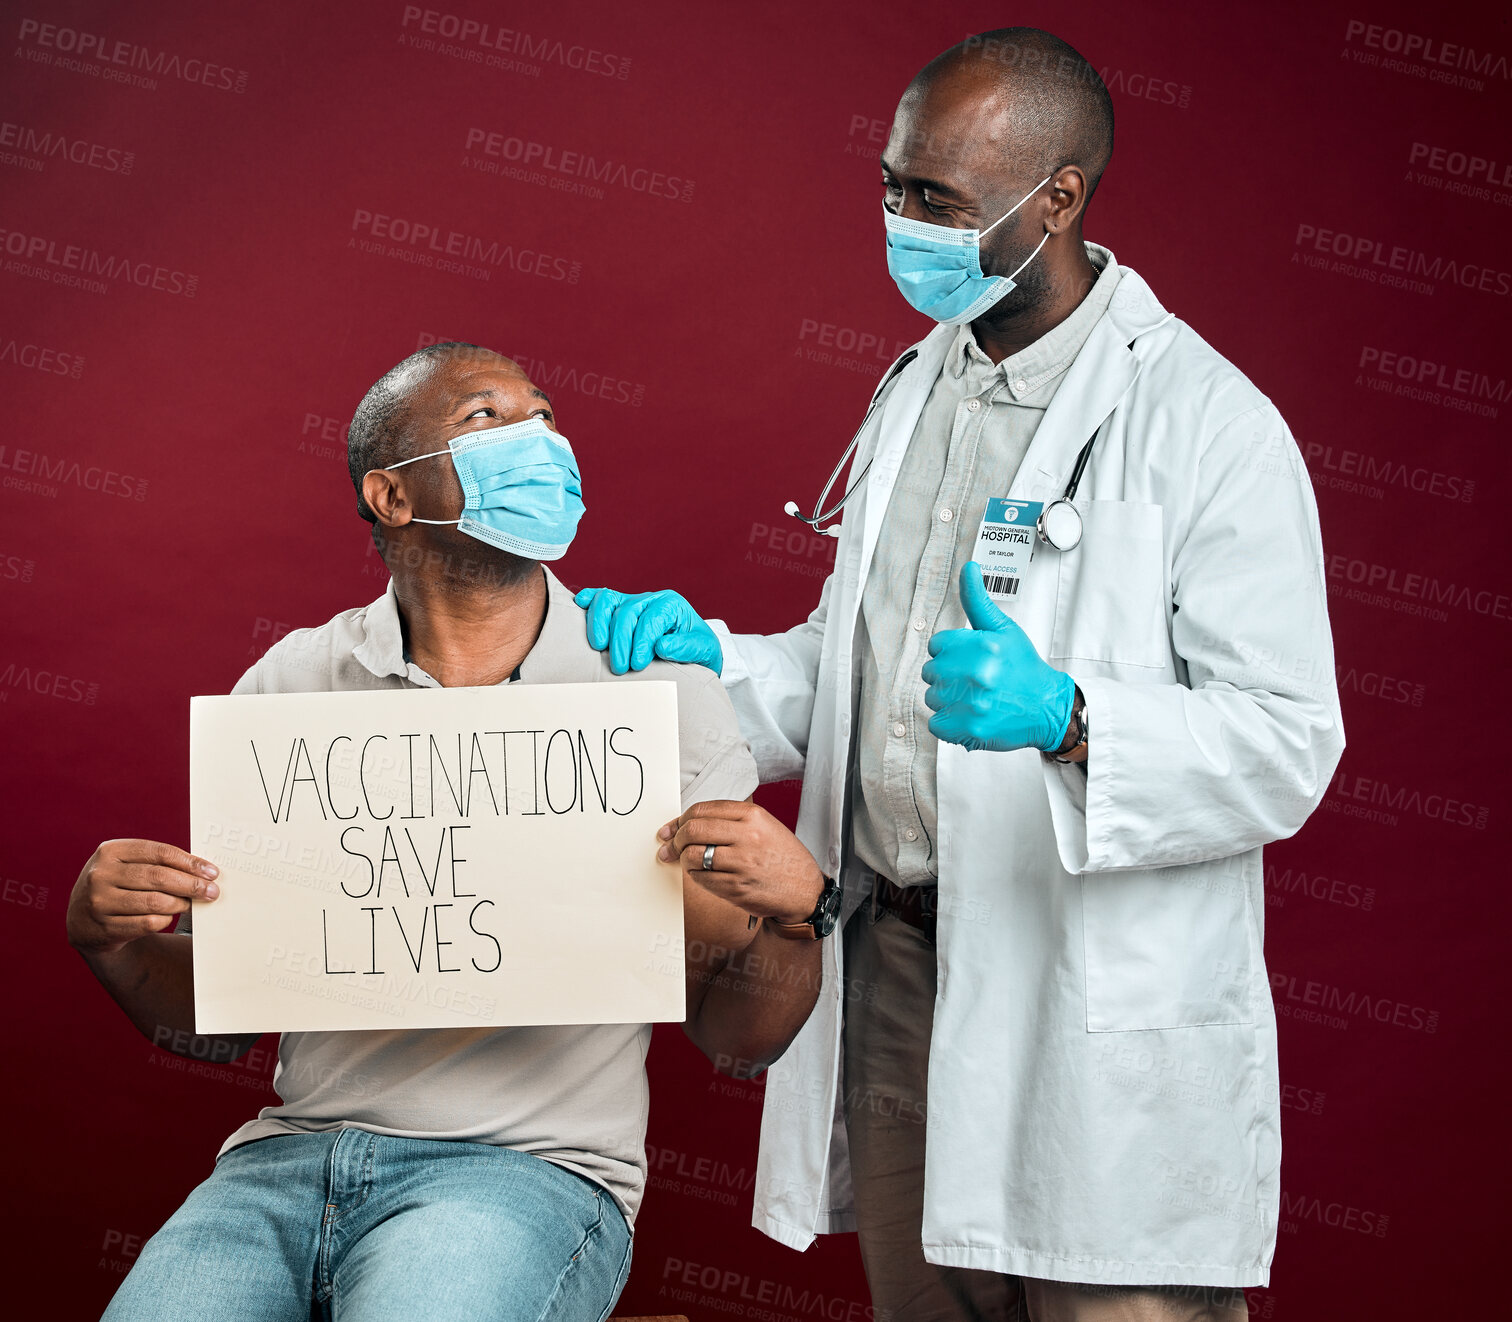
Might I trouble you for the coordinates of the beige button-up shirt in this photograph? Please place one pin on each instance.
(966, 449)
(573, 1094)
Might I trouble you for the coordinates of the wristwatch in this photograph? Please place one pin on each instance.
(1078, 750)
(818, 924)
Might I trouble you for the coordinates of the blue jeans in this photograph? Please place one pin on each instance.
(359, 1227)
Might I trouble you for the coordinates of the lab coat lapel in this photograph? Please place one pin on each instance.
(1099, 379)
(893, 427)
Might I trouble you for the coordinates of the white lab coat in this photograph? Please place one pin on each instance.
(1103, 1097)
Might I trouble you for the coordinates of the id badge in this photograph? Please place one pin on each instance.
(1005, 545)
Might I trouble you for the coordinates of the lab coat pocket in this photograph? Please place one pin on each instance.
(1168, 948)
(1111, 599)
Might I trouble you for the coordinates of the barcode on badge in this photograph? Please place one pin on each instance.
(1001, 585)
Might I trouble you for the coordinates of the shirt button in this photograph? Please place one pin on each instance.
(910, 834)
(919, 626)
(946, 515)
(899, 729)
(972, 405)
(1021, 385)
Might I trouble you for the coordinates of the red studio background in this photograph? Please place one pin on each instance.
(1323, 193)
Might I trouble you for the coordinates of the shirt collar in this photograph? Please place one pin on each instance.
(382, 647)
(561, 654)
(1031, 367)
(560, 651)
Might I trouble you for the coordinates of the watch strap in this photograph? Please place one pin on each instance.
(818, 924)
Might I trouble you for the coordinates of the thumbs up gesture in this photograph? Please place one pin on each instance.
(988, 687)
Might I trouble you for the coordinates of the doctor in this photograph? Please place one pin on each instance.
(1042, 746)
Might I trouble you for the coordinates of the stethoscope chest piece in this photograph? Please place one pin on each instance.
(1060, 525)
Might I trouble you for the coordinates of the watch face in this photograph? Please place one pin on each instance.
(828, 912)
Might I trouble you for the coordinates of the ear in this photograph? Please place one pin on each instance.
(384, 494)
(1068, 198)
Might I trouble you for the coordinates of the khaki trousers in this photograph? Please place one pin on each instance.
(889, 1013)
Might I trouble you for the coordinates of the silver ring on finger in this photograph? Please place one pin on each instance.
(708, 858)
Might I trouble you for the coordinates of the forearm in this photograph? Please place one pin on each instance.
(152, 980)
(757, 1002)
(771, 680)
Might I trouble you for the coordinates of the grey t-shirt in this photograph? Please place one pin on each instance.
(576, 1095)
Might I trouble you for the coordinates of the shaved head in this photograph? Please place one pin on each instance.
(1052, 106)
(380, 427)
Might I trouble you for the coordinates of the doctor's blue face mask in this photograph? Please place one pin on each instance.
(521, 487)
(939, 269)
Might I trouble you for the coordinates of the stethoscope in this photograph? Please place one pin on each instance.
(1059, 524)
(820, 513)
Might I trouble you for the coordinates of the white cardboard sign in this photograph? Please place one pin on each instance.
(436, 858)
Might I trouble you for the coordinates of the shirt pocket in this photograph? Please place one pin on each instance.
(1169, 948)
(1111, 594)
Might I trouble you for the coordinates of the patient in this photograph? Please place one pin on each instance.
(488, 1173)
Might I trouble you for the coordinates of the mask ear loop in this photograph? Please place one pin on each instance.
(1009, 212)
(415, 460)
(1030, 257)
(390, 468)
(1016, 206)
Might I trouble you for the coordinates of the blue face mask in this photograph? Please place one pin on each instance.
(521, 487)
(939, 269)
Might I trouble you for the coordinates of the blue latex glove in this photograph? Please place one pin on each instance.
(636, 627)
(988, 687)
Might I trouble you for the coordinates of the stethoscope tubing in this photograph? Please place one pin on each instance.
(1068, 542)
(821, 514)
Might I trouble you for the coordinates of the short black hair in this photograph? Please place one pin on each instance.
(380, 426)
(1060, 102)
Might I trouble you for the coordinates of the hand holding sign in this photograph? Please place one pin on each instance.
(132, 888)
(988, 687)
(759, 865)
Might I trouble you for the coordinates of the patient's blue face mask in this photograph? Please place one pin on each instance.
(521, 487)
(939, 269)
